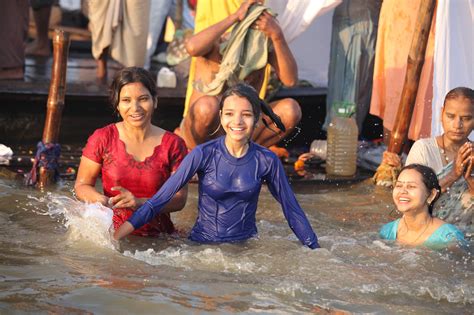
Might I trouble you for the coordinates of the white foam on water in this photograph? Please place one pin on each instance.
(382, 245)
(85, 222)
(208, 259)
(291, 288)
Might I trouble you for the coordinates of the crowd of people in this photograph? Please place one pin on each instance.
(228, 131)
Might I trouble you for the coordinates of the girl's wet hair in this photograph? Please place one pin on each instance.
(460, 92)
(429, 178)
(131, 75)
(258, 105)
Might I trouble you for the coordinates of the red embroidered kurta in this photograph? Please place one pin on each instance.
(143, 179)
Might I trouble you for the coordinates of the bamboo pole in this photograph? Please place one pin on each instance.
(55, 105)
(416, 57)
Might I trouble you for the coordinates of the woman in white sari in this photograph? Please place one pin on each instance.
(451, 155)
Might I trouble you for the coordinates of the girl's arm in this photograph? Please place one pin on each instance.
(125, 199)
(156, 204)
(297, 220)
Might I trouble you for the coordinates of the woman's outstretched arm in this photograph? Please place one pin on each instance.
(156, 204)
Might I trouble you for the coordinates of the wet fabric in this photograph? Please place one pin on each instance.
(351, 64)
(121, 25)
(456, 205)
(394, 37)
(244, 52)
(142, 179)
(229, 188)
(445, 235)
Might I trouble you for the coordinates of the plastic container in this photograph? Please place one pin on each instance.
(166, 78)
(319, 148)
(342, 143)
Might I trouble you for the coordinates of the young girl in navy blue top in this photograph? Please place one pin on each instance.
(231, 170)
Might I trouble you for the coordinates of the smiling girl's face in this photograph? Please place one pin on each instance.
(410, 193)
(136, 105)
(237, 118)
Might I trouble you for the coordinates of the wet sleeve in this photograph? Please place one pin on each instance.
(389, 231)
(94, 149)
(280, 188)
(453, 235)
(153, 206)
(177, 152)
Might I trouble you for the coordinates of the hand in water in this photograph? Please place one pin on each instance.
(115, 243)
(125, 199)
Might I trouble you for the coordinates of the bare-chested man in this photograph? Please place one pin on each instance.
(202, 119)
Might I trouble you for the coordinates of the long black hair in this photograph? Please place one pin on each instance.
(258, 105)
(429, 179)
(131, 75)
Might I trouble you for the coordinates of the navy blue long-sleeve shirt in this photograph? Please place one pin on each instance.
(228, 193)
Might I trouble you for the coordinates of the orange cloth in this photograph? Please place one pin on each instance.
(395, 33)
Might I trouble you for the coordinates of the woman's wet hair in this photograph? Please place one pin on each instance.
(429, 179)
(460, 92)
(258, 105)
(131, 75)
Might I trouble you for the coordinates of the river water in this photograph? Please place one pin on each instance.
(54, 259)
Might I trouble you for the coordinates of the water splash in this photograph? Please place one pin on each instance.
(197, 258)
(84, 222)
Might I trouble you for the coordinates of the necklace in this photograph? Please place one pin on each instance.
(443, 150)
(422, 232)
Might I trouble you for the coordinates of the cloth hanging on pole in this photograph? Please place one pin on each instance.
(394, 36)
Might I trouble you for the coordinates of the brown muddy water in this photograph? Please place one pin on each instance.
(56, 257)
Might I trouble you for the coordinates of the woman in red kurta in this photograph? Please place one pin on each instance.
(134, 157)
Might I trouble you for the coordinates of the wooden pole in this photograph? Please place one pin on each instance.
(416, 58)
(55, 105)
